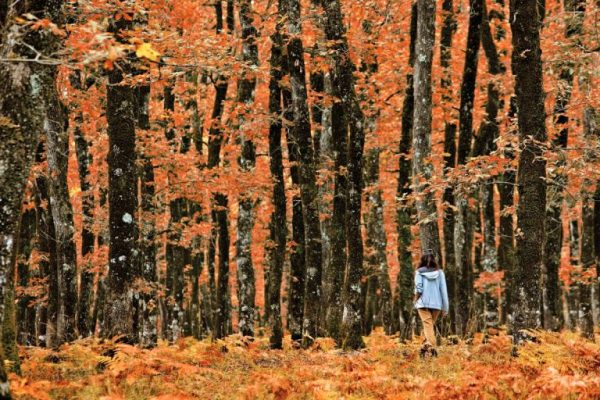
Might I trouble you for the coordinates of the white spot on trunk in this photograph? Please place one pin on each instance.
(127, 218)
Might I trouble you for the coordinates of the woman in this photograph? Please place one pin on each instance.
(431, 297)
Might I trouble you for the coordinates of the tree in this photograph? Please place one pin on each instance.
(525, 22)
(247, 162)
(552, 318)
(465, 217)
(307, 174)
(122, 196)
(57, 149)
(421, 135)
(448, 30)
(278, 217)
(403, 305)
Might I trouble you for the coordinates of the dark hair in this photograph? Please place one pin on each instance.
(428, 261)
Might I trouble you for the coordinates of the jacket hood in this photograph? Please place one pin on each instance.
(430, 274)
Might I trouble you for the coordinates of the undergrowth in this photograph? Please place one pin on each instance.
(559, 366)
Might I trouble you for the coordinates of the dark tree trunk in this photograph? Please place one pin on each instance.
(506, 246)
(22, 112)
(551, 291)
(465, 217)
(276, 254)
(527, 68)
(247, 161)
(297, 258)
(57, 150)
(352, 117)
(221, 307)
(86, 296)
(421, 140)
(448, 30)
(339, 253)
(25, 313)
(118, 313)
(147, 301)
(586, 320)
(403, 304)
(46, 245)
(376, 246)
(307, 171)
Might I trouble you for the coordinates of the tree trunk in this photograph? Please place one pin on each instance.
(464, 226)
(57, 149)
(22, 112)
(421, 141)
(403, 304)
(527, 68)
(307, 171)
(118, 299)
(448, 30)
(276, 252)
(221, 306)
(86, 296)
(586, 320)
(147, 302)
(551, 291)
(25, 313)
(247, 161)
(376, 243)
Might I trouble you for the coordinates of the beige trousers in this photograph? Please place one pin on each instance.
(428, 316)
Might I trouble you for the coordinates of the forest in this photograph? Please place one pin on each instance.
(231, 198)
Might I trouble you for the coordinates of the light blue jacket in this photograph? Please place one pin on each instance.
(431, 285)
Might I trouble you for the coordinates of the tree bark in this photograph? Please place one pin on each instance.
(86, 296)
(448, 30)
(551, 291)
(403, 304)
(421, 140)
(465, 216)
(118, 313)
(376, 244)
(307, 171)
(247, 161)
(527, 68)
(221, 307)
(277, 226)
(57, 149)
(22, 111)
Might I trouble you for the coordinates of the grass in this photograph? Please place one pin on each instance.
(560, 366)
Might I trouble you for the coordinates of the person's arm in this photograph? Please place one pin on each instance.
(444, 290)
(418, 286)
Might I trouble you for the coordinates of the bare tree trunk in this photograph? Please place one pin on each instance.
(247, 161)
(22, 112)
(86, 294)
(586, 320)
(26, 313)
(118, 313)
(464, 226)
(221, 307)
(308, 188)
(403, 304)
(57, 149)
(376, 244)
(448, 30)
(527, 68)
(552, 318)
(278, 229)
(421, 141)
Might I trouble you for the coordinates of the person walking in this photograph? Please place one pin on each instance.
(431, 298)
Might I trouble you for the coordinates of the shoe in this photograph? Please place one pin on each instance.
(426, 348)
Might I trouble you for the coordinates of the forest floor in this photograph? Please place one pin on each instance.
(559, 366)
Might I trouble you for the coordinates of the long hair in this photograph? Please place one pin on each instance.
(428, 261)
